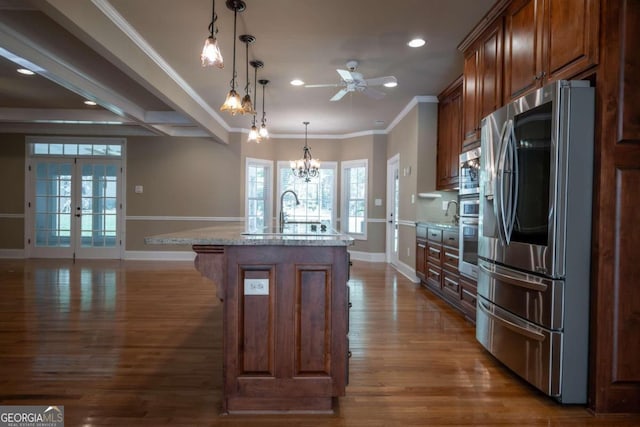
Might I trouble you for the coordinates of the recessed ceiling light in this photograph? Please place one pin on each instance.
(25, 72)
(391, 84)
(379, 122)
(417, 43)
(297, 82)
(90, 103)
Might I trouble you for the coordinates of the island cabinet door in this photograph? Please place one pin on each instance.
(285, 320)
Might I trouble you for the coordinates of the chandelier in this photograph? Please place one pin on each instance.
(307, 167)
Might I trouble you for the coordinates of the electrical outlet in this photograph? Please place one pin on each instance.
(408, 251)
(444, 205)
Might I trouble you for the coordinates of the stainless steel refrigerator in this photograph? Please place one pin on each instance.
(534, 237)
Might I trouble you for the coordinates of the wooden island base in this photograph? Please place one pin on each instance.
(285, 320)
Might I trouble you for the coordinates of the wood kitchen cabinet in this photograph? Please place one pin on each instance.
(434, 258)
(421, 251)
(548, 40)
(449, 135)
(440, 260)
(482, 92)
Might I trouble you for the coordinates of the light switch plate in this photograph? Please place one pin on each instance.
(138, 189)
(256, 286)
(378, 202)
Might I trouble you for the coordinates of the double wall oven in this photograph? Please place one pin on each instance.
(534, 237)
(469, 212)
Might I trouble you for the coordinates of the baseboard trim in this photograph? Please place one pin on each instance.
(407, 271)
(368, 256)
(159, 255)
(12, 253)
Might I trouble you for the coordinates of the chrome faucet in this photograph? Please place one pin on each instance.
(282, 219)
(456, 217)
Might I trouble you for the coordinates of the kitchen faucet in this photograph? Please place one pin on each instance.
(282, 220)
(456, 217)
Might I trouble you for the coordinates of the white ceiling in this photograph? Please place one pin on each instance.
(139, 59)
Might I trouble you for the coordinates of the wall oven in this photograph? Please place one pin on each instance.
(534, 237)
(468, 227)
(469, 179)
(469, 212)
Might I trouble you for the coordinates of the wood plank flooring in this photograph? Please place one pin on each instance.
(139, 344)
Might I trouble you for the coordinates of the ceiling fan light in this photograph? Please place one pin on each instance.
(211, 54)
(232, 104)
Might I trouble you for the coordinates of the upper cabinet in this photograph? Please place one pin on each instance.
(449, 135)
(482, 89)
(547, 40)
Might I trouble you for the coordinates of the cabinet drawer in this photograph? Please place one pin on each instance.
(433, 275)
(451, 285)
(434, 253)
(450, 238)
(450, 259)
(434, 235)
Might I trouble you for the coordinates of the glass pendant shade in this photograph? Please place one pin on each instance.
(211, 54)
(264, 133)
(247, 105)
(233, 103)
(254, 135)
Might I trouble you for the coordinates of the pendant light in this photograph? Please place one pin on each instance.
(211, 54)
(306, 167)
(232, 103)
(247, 105)
(254, 135)
(263, 132)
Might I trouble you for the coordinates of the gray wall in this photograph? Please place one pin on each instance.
(195, 177)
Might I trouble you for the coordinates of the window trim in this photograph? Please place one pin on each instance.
(268, 164)
(344, 197)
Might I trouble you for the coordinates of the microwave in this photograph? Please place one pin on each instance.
(470, 172)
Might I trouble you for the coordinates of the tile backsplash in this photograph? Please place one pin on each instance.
(430, 209)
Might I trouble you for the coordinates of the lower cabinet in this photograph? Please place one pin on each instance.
(437, 256)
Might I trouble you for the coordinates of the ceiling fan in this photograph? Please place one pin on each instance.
(352, 81)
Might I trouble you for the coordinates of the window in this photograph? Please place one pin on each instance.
(354, 198)
(258, 193)
(317, 197)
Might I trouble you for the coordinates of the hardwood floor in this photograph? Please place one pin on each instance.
(139, 343)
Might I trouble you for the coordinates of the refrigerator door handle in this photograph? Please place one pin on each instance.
(513, 182)
(498, 202)
(517, 281)
(534, 335)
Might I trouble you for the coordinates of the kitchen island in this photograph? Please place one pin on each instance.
(285, 313)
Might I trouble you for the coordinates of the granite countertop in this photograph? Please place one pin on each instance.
(448, 226)
(235, 234)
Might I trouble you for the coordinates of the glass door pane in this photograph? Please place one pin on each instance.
(99, 208)
(53, 206)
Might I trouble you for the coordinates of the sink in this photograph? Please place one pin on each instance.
(293, 230)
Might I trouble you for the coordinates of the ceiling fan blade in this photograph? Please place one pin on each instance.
(338, 96)
(373, 93)
(345, 75)
(379, 81)
(325, 85)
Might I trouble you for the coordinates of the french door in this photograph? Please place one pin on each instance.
(393, 208)
(75, 208)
